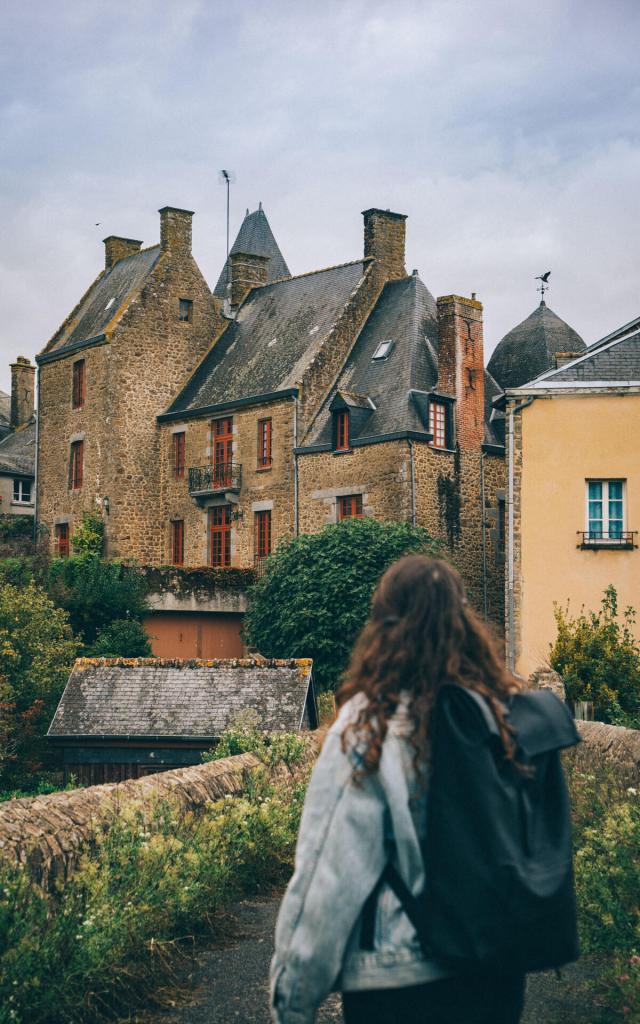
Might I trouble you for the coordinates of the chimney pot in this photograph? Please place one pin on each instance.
(175, 230)
(22, 392)
(117, 248)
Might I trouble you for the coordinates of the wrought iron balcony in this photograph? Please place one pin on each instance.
(600, 539)
(215, 479)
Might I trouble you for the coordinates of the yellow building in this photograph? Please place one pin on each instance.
(573, 491)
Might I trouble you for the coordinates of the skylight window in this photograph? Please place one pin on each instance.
(383, 349)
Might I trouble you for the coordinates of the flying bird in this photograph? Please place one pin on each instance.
(544, 277)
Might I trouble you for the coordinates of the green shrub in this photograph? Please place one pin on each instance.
(123, 638)
(17, 570)
(96, 593)
(598, 657)
(314, 598)
(87, 540)
(278, 748)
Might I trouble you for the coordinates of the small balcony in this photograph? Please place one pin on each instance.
(222, 478)
(625, 539)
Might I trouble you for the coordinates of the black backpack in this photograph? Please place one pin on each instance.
(499, 893)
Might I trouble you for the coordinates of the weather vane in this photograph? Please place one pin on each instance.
(544, 283)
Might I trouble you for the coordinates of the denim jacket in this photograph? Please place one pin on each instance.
(343, 846)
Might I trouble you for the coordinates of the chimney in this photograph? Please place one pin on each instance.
(562, 358)
(116, 248)
(22, 392)
(247, 271)
(384, 235)
(175, 230)
(461, 365)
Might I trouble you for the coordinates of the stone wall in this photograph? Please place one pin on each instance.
(49, 834)
(609, 744)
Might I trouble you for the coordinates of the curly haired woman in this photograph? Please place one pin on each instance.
(366, 803)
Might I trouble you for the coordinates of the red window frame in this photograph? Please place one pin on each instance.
(76, 465)
(342, 430)
(263, 533)
(177, 542)
(222, 449)
(178, 454)
(264, 444)
(438, 424)
(220, 536)
(62, 540)
(79, 384)
(349, 506)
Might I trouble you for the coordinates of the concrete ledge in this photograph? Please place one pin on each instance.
(49, 834)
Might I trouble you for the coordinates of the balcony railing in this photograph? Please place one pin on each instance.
(601, 539)
(224, 476)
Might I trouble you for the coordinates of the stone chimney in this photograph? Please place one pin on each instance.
(461, 365)
(22, 392)
(384, 236)
(175, 230)
(116, 248)
(247, 271)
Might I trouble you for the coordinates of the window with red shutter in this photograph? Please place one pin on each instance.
(76, 466)
(220, 536)
(78, 397)
(62, 540)
(177, 541)
(178, 454)
(438, 424)
(264, 444)
(341, 430)
(263, 534)
(349, 506)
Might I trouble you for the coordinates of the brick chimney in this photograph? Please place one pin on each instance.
(461, 365)
(22, 391)
(175, 230)
(247, 271)
(384, 236)
(116, 248)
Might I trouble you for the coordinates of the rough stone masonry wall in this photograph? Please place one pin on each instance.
(513, 628)
(261, 488)
(49, 834)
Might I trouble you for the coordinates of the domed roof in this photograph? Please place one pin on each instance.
(531, 348)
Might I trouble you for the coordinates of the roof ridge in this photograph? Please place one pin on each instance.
(310, 273)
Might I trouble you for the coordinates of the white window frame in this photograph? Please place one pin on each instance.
(21, 500)
(605, 539)
(383, 350)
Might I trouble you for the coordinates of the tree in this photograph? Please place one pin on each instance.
(598, 657)
(122, 638)
(37, 650)
(88, 538)
(315, 595)
(96, 593)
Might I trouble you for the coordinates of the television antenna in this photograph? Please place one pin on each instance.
(227, 178)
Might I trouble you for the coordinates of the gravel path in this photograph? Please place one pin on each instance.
(230, 982)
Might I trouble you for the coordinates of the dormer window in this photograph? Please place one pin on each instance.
(185, 314)
(341, 430)
(383, 349)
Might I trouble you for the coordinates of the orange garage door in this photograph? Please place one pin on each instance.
(195, 635)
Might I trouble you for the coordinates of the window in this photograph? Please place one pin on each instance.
(22, 492)
(220, 536)
(264, 444)
(350, 506)
(177, 542)
(76, 465)
(178, 455)
(185, 313)
(62, 540)
(605, 510)
(222, 448)
(341, 431)
(383, 349)
(263, 534)
(438, 424)
(79, 384)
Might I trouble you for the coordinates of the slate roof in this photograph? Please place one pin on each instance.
(110, 294)
(614, 362)
(150, 698)
(531, 347)
(406, 314)
(256, 238)
(5, 413)
(18, 452)
(275, 336)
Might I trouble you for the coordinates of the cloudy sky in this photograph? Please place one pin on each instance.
(509, 132)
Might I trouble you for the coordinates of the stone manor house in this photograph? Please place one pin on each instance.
(208, 426)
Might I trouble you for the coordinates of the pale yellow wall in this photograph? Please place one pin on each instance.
(565, 442)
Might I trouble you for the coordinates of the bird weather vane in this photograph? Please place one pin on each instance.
(544, 283)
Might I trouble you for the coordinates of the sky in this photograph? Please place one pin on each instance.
(508, 132)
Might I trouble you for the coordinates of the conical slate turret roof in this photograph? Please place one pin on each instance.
(530, 348)
(255, 237)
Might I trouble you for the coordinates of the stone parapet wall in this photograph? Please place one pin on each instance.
(609, 744)
(49, 834)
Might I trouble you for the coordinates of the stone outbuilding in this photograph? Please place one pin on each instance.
(123, 718)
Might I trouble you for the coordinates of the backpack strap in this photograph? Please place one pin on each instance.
(401, 890)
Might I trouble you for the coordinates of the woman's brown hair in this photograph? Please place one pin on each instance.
(421, 633)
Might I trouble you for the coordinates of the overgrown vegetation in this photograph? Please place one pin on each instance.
(314, 598)
(598, 657)
(104, 944)
(289, 749)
